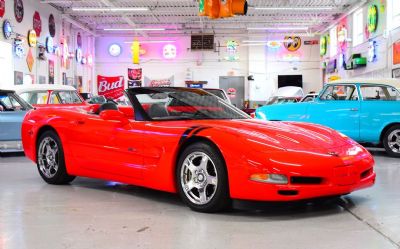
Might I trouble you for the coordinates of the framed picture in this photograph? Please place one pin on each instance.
(64, 78)
(42, 79)
(51, 72)
(396, 73)
(18, 78)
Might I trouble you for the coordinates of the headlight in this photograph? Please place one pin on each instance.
(270, 178)
(261, 115)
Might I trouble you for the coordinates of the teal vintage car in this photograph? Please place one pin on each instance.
(368, 111)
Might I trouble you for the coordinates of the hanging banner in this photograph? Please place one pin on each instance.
(110, 87)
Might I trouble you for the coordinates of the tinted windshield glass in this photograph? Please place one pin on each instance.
(182, 103)
(216, 92)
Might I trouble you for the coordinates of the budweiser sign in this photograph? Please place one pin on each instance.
(110, 87)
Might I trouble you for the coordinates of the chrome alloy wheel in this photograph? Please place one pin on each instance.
(48, 157)
(394, 141)
(199, 179)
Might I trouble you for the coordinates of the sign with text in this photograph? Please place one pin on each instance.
(110, 87)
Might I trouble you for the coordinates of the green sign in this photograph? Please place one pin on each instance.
(323, 43)
(201, 6)
(372, 18)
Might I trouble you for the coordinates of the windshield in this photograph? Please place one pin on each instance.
(217, 92)
(12, 102)
(182, 103)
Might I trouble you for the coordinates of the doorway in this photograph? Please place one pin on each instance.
(234, 87)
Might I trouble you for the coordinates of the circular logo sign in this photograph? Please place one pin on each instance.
(79, 40)
(19, 10)
(32, 38)
(2, 7)
(37, 23)
(78, 55)
(114, 50)
(49, 45)
(372, 18)
(52, 26)
(7, 29)
(292, 43)
(169, 51)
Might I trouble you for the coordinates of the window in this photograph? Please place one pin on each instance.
(35, 98)
(383, 93)
(393, 14)
(69, 97)
(358, 27)
(340, 92)
(10, 102)
(333, 41)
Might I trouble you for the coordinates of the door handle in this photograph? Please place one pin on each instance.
(354, 109)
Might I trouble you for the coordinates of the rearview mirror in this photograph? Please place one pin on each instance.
(114, 115)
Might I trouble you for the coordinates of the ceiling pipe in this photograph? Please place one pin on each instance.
(75, 23)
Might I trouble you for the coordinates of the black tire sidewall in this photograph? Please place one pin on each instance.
(221, 198)
(386, 141)
(61, 177)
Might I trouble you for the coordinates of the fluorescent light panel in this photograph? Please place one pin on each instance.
(144, 42)
(134, 29)
(277, 28)
(294, 8)
(111, 9)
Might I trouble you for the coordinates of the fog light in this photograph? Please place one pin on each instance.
(269, 178)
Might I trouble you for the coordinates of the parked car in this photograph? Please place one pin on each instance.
(283, 100)
(188, 141)
(47, 94)
(366, 110)
(12, 112)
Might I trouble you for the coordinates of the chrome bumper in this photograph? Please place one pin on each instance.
(11, 146)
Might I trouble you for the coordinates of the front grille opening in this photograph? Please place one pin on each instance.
(305, 180)
(288, 192)
(366, 173)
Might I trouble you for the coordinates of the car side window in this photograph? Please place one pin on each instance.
(380, 93)
(54, 99)
(340, 93)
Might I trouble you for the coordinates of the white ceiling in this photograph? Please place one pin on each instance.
(181, 16)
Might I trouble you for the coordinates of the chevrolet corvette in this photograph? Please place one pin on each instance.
(193, 143)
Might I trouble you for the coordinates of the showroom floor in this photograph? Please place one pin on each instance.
(97, 214)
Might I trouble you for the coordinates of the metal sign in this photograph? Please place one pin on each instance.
(7, 29)
(292, 43)
(37, 23)
(2, 8)
(52, 26)
(19, 10)
(32, 38)
(372, 18)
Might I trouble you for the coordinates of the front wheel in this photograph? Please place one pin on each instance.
(202, 179)
(391, 141)
(50, 159)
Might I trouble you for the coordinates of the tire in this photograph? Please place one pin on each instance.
(202, 170)
(391, 141)
(50, 159)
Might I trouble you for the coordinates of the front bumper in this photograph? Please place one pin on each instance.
(11, 146)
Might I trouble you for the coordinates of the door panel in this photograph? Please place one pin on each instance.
(10, 125)
(234, 86)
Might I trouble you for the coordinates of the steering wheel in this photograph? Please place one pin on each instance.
(330, 96)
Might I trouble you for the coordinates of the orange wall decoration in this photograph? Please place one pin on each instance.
(396, 53)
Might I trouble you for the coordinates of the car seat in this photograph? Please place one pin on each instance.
(107, 106)
(158, 111)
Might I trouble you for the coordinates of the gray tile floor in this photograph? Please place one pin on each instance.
(96, 214)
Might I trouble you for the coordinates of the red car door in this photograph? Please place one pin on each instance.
(107, 147)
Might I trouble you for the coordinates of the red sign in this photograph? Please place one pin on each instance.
(396, 53)
(110, 87)
(37, 23)
(2, 7)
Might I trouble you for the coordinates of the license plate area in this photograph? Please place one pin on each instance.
(345, 175)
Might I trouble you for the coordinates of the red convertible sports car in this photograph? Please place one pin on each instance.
(190, 142)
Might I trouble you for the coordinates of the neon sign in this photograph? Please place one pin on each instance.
(372, 53)
(372, 18)
(169, 51)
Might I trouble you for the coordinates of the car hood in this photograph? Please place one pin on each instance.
(284, 135)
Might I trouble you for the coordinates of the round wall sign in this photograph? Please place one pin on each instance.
(78, 55)
(32, 38)
(7, 29)
(114, 50)
(37, 23)
(2, 7)
(372, 18)
(49, 45)
(169, 51)
(79, 40)
(52, 26)
(19, 10)
(292, 43)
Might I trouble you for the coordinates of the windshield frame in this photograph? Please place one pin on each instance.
(142, 115)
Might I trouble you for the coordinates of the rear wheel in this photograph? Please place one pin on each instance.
(391, 141)
(50, 159)
(202, 179)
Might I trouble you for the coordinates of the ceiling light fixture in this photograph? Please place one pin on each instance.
(110, 9)
(295, 8)
(144, 42)
(134, 29)
(277, 28)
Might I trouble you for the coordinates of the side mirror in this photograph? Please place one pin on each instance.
(114, 115)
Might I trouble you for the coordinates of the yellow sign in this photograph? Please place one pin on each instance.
(32, 38)
(135, 52)
(292, 43)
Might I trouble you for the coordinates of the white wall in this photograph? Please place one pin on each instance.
(205, 65)
(63, 29)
